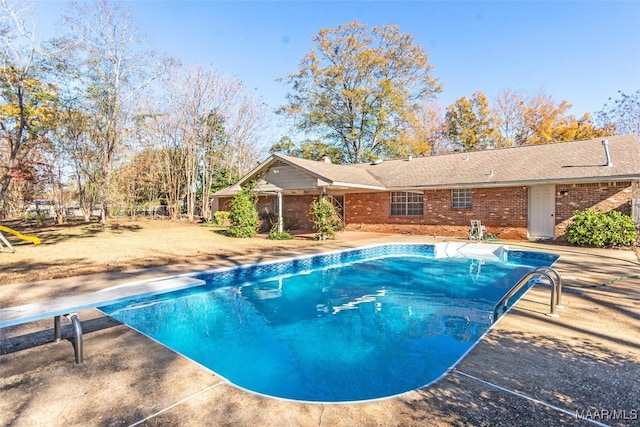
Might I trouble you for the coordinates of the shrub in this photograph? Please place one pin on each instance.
(593, 228)
(222, 218)
(274, 234)
(325, 219)
(243, 215)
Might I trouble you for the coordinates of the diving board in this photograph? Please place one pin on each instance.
(69, 306)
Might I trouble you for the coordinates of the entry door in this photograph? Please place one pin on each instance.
(542, 203)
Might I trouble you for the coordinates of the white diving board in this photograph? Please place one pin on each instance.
(69, 306)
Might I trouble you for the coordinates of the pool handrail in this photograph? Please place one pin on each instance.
(556, 289)
(558, 283)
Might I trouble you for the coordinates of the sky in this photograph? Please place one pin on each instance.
(583, 52)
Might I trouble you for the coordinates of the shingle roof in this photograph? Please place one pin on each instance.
(575, 161)
(558, 162)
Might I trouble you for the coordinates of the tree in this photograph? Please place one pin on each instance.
(470, 123)
(573, 129)
(136, 183)
(75, 141)
(214, 122)
(159, 133)
(623, 114)
(508, 110)
(285, 146)
(425, 134)
(308, 149)
(358, 88)
(101, 52)
(538, 119)
(27, 104)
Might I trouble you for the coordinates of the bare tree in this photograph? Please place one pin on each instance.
(75, 136)
(102, 45)
(508, 108)
(215, 124)
(623, 113)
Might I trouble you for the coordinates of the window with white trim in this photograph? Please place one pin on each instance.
(407, 203)
(461, 197)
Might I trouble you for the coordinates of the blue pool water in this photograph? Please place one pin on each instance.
(347, 326)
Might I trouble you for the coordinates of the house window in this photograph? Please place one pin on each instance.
(461, 197)
(406, 203)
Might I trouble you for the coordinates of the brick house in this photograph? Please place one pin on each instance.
(517, 193)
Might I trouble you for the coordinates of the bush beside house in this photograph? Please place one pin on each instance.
(599, 229)
(243, 215)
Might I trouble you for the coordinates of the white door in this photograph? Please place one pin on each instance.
(542, 204)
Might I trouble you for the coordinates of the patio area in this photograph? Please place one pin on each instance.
(529, 370)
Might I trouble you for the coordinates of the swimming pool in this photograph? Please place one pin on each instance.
(339, 327)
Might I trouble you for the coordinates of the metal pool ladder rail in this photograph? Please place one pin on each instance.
(544, 272)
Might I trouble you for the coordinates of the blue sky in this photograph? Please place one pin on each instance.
(579, 51)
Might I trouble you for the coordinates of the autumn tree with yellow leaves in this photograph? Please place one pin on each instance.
(359, 89)
(514, 120)
(425, 133)
(538, 119)
(471, 125)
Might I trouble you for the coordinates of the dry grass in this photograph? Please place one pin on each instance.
(71, 250)
(77, 249)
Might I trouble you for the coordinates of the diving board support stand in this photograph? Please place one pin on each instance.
(70, 306)
(77, 335)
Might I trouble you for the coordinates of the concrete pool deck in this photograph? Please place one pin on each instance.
(582, 368)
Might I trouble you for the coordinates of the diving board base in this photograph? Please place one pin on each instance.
(70, 306)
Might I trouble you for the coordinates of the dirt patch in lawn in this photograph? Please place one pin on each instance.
(123, 244)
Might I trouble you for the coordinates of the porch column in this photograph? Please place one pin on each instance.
(279, 212)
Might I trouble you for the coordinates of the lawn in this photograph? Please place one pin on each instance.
(123, 244)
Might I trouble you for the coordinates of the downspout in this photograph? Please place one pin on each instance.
(280, 212)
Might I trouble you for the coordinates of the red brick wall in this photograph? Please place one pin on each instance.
(296, 211)
(503, 211)
(604, 196)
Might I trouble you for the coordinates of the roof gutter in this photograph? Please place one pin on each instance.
(364, 186)
(517, 183)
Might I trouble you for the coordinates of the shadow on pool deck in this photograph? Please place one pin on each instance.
(529, 370)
